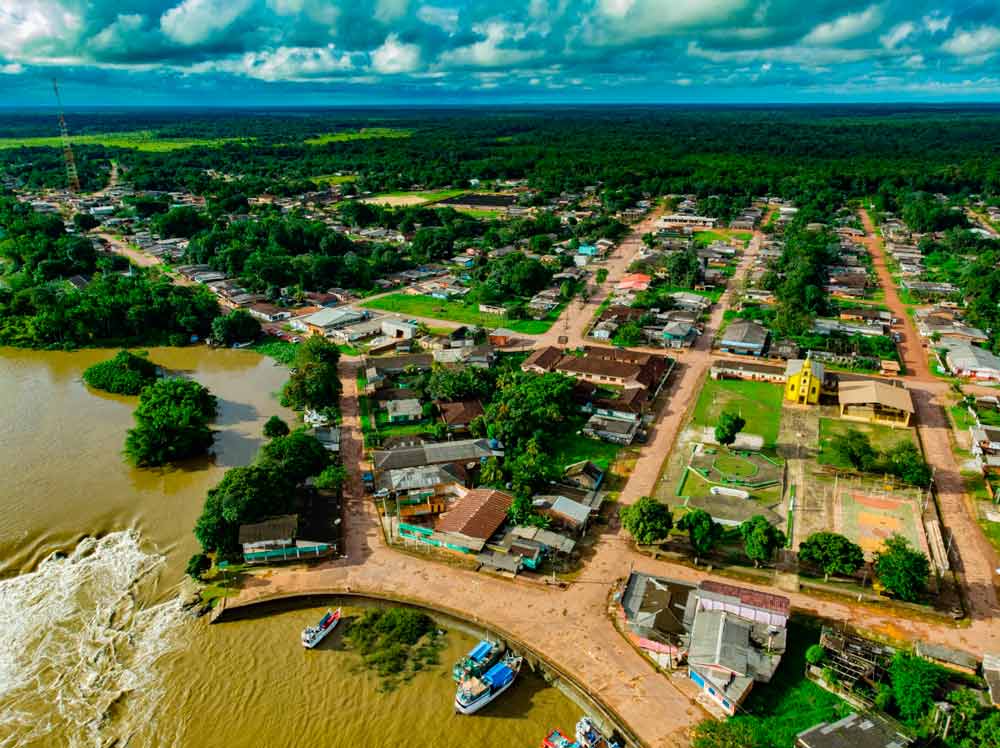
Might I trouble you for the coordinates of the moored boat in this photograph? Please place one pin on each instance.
(476, 692)
(313, 635)
(481, 658)
(556, 739)
(588, 736)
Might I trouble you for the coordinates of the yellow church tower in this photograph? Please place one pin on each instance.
(803, 381)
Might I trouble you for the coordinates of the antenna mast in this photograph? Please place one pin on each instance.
(71, 175)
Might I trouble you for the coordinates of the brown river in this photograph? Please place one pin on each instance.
(95, 650)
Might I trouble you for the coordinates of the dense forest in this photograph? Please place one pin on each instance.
(794, 151)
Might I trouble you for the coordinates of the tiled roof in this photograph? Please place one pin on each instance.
(478, 514)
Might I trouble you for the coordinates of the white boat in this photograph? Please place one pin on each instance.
(476, 692)
(588, 736)
(313, 635)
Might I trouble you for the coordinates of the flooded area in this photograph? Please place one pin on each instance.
(94, 647)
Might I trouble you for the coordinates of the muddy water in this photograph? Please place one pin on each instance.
(94, 649)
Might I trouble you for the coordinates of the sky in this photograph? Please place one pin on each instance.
(483, 52)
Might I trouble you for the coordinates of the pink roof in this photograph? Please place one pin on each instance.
(635, 281)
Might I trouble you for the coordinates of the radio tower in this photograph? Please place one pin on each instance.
(71, 176)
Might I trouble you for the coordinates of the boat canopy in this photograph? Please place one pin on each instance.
(480, 651)
(499, 675)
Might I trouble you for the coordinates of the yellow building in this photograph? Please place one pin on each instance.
(803, 381)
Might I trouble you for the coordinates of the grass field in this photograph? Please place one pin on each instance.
(412, 198)
(365, 133)
(789, 704)
(485, 213)
(707, 237)
(140, 140)
(572, 447)
(334, 178)
(881, 437)
(757, 402)
(456, 311)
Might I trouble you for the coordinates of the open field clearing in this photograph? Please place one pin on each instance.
(334, 178)
(456, 311)
(759, 403)
(140, 140)
(403, 199)
(365, 133)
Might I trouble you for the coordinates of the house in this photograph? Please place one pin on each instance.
(889, 368)
(269, 312)
(853, 731)
(473, 520)
(991, 674)
(397, 329)
(744, 337)
(542, 360)
(634, 282)
(584, 475)
(563, 511)
(737, 637)
(690, 301)
(328, 436)
(404, 411)
(501, 337)
(748, 371)
(611, 429)
(612, 366)
(272, 533)
(678, 334)
(458, 415)
(986, 447)
(459, 452)
(325, 321)
(969, 361)
(653, 612)
(421, 491)
(873, 401)
(803, 381)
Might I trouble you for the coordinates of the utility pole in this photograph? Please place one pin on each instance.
(72, 177)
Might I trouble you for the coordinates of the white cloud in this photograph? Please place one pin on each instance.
(897, 34)
(113, 35)
(981, 42)
(36, 27)
(846, 27)
(194, 21)
(616, 21)
(935, 23)
(443, 18)
(13, 68)
(394, 56)
(489, 52)
(294, 63)
(806, 56)
(914, 62)
(388, 11)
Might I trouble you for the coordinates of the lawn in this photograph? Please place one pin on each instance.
(483, 213)
(457, 311)
(334, 178)
(140, 140)
(789, 704)
(882, 438)
(757, 402)
(571, 447)
(402, 199)
(365, 133)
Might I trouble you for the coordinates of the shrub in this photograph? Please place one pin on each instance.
(815, 654)
(275, 427)
(197, 565)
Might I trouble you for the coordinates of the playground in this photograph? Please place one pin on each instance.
(750, 470)
(868, 513)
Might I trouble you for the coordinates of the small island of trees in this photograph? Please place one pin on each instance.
(125, 374)
(171, 423)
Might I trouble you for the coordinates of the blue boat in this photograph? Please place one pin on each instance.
(476, 692)
(481, 658)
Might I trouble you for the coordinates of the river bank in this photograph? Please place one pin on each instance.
(94, 645)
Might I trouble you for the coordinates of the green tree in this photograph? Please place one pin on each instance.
(244, 495)
(832, 553)
(647, 520)
(855, 449)
(125, 374)
(171, 423)
(628, 334)
(761, 539)
(907, 463)
(274, 427)
(197, 565)
(85, 221)
(903, 570)
(236, 327)
(914, 682)
(729, 425)
(298, 455)
(527, 406)
(531, 469)
(332, 478)
(703, 532)
(492, 473)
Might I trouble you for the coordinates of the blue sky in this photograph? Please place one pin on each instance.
(381, 52)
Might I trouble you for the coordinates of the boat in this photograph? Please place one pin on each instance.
(313, 635)
(588, 736)
(481, 658)
(476, 692)
(556, 739)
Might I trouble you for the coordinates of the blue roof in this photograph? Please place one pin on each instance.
(499, 675)
(479, 652)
